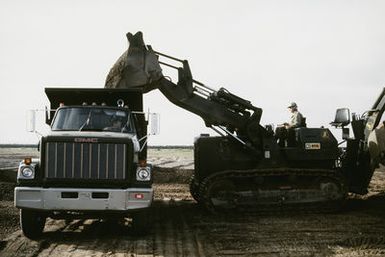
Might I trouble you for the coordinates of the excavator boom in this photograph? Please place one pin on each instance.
(226, 113)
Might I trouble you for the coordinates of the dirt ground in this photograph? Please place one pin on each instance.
(182, 228)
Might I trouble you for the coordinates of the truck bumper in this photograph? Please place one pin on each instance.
(79, 199)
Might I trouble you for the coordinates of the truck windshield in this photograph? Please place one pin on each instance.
(93, 119)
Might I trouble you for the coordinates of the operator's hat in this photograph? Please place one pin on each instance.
(292, 105)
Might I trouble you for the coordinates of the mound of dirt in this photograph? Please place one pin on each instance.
(6, 191)
(172, 175)
(9, 219)
(9, 215)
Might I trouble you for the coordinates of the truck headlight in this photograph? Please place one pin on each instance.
(26, 172)
(143, 174)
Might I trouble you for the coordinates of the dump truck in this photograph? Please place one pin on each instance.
(244, 166)
(92, 162)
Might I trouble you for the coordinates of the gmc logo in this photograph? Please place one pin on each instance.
(86, 140)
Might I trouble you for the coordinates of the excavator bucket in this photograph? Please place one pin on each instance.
(138, 67)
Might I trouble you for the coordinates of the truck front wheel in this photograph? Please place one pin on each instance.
(32, 223)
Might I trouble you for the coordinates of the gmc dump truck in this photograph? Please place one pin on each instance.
(92, 162)
(245, 166)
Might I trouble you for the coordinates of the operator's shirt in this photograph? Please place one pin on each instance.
(296, 119)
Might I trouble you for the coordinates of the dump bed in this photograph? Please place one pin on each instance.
(77, 96)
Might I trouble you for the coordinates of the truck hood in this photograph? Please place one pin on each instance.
(97, 134)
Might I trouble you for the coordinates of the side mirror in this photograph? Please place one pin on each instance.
(154, 122)
(48, 116)
(31, 121)
(342, 118)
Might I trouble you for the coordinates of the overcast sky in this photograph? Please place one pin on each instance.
(321, 54)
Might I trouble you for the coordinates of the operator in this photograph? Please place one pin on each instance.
(296, 119)
(284, 132)
(116, 125)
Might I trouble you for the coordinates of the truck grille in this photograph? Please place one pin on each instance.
(85, 160)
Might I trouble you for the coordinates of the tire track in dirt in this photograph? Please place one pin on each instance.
(296, 234)
(182, 228)
(363, 246)
(168, 237)
(174, 236)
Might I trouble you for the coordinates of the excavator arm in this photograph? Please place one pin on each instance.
(224, 112)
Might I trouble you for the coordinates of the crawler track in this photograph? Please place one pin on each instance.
(250, 190)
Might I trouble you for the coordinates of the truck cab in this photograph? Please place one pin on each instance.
(92, 161)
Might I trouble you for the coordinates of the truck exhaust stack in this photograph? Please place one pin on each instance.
(138, 67)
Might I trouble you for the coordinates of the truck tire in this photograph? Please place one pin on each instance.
(141, 222)
(32, 223)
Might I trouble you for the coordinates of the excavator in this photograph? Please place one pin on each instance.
(245, 166)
